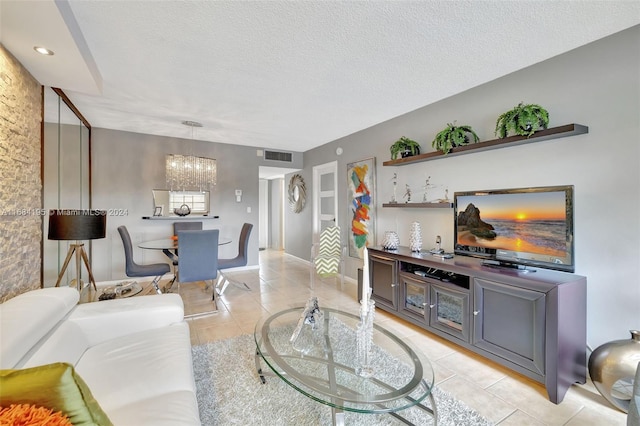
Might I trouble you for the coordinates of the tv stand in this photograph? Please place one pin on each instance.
(534, 324)
(498, 264)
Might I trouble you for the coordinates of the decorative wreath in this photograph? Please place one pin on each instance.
(297, 193)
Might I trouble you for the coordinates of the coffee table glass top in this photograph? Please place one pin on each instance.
(321, 363)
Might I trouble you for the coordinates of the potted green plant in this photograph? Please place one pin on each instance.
(523, 120)
(453, 136)
(405, 147)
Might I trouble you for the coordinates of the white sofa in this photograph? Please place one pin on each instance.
(134, 354)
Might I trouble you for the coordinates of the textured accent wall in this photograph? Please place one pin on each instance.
(20, 180)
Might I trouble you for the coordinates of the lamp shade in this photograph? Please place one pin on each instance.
(77, 224)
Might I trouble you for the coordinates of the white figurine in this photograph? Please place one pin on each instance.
(407, 193)
(395, 188)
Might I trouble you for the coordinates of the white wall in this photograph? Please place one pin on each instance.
(263, 235)
(597, 85)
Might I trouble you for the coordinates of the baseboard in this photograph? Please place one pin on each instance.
(347, 279)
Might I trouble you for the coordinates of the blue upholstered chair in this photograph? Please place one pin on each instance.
(239, 260)
(132, 269)
(173, 255)
(198, 259)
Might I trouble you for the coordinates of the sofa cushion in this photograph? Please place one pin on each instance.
(90, 324)
(55, 386)
(151, 368)
(28, 317)
(178, 408)
(109, 319)
(67, 343)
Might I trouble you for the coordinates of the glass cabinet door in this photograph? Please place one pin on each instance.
(449, 311)
(414, 297)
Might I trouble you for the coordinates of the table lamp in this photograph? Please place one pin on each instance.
(77, 225)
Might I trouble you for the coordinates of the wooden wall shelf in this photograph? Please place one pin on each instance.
(542, 135)
(420, 205)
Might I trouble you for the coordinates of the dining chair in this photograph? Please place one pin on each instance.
(132, 269)
(239, 260)
(198, 259)
(173, 255)
(328, 255)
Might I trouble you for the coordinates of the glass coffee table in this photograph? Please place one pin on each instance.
(321, 364)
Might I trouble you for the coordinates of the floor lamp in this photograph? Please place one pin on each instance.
(77, 225)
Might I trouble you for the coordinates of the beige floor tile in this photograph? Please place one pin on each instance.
(431, 345)
(193, 334)
(485, 403)
(597, 410)
(219, 332)
(480, 371)
(518, 418)
(590, 416)
(277, 306)
(210, 320)
(441, 373)
(249, 316)
(531, 398)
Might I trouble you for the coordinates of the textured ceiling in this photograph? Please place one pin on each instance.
(294, 75)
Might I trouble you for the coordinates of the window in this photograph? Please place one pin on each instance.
(166, 201)
(194, 199)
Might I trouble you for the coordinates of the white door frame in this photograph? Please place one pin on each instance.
(318, 171)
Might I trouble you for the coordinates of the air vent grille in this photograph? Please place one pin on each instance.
(278, 156)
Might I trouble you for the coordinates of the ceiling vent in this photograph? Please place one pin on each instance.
(278, 156)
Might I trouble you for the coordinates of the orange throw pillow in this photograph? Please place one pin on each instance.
(27, 414)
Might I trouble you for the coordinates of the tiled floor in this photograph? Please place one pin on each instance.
(504, 397)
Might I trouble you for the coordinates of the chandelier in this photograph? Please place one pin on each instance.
(190, 173)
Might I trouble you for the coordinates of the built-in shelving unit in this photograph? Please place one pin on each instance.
(420, 205)
(542, 135)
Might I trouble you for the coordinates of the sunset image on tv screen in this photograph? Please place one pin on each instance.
(533, 222)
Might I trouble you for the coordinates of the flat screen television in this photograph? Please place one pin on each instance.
(517, 227)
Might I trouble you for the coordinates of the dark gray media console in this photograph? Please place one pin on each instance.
(533, 322)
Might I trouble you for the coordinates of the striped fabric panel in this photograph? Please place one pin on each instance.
(328, 258)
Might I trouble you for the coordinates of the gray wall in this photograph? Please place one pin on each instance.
(127, 166)
(597, 85)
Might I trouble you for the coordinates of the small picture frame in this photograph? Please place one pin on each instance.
(157, 211)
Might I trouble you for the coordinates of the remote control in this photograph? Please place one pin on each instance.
(443, 255)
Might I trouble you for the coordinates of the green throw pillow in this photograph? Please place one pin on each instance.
(56, 386)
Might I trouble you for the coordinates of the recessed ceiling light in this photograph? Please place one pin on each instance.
(192, 123)
(43, 50)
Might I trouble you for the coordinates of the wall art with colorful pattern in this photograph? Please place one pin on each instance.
(361, 176)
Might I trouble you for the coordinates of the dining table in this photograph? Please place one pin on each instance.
(172, 243)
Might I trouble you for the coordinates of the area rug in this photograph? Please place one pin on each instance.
(229, 392)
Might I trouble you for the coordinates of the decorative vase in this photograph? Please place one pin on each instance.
(612, 367)
(184, 210)
(415, 238)
(391, 241)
